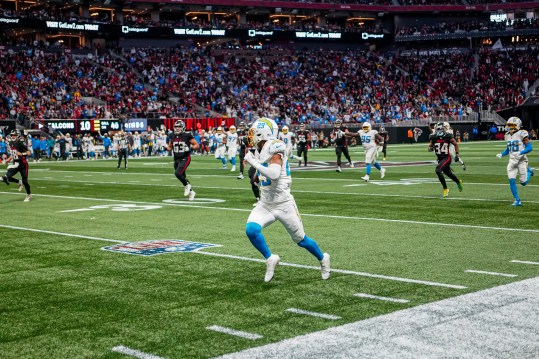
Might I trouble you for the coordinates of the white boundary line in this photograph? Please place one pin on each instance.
(314, 314)
(491, 273)
(343, 271)
(438, 224)
(525, 262)
(134, 353)
(135, 183)
(387, 299)
(238, 333)
(362, 274)
(60, 233)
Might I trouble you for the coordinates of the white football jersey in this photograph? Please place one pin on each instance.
(232, 140)
(368, 138)
(515, 141)
(286, 138)
(220, 139)
(274, 191)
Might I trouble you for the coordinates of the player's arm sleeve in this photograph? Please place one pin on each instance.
(527, 148)
(273, 171)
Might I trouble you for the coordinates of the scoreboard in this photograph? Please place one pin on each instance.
(66, 126)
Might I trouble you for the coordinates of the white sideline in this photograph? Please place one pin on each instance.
(398, 279)
(491, 273)
(387, 299)
(134, 353)
(437, 224)
(237, 333)
(342, 271)
(314, 314)
(525, 262)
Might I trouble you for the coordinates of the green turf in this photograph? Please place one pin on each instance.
(65, 297)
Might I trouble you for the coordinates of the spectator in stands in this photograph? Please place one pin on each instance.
(492, 132)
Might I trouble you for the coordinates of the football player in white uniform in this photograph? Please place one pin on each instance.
(276, 202)
(452, 151)
(220, 149)
(232, 144)
(369, 140)
(518, 145)
(287, 137)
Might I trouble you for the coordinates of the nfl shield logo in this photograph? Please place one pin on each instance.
(151, 248)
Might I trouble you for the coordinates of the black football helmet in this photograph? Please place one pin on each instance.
(338, 124)
(179, 127)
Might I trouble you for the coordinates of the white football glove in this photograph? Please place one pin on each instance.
(250, 158)
(499, 155)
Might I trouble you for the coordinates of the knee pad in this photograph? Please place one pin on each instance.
(252, 229)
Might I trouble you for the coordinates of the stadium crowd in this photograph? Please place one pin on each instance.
(464, 26)
(293, 86)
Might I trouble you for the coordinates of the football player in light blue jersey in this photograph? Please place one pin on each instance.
(518, 145)
(276, 202)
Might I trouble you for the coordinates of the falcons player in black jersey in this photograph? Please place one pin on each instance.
(440, 141)
(180, 144)
(17, 163)
(303, 137)
(242, 142)
(341, 146)
(385, 136)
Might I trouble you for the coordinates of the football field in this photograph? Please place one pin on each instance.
(107, 263)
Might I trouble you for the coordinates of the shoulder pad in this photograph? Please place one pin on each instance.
(432, 136)
(448, 135)
(523, 133)
(277, 146)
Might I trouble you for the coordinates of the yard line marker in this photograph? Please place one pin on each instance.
(306, 191)
(524, 262)
(343, 271)
(60, 233)
(134, 353)
(238, 333)
(314, 314)
(491, 273)
(438, 224)
(295, 178)
(387, 299)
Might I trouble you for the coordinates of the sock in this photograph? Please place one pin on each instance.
(514, 189)
(310, 245)
(253, 231)
(369, 168)
(233, 161)
(377, 165)
(224, 161)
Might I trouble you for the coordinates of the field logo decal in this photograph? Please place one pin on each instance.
(151, 248)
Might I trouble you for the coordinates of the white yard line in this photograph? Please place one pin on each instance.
(134, 353)
(491, 273)
(360, 194)
(314, 314)
(525, 262)
(438, 224)
(386, 299)
(237, 333)
(343, 271)
(60, 233)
